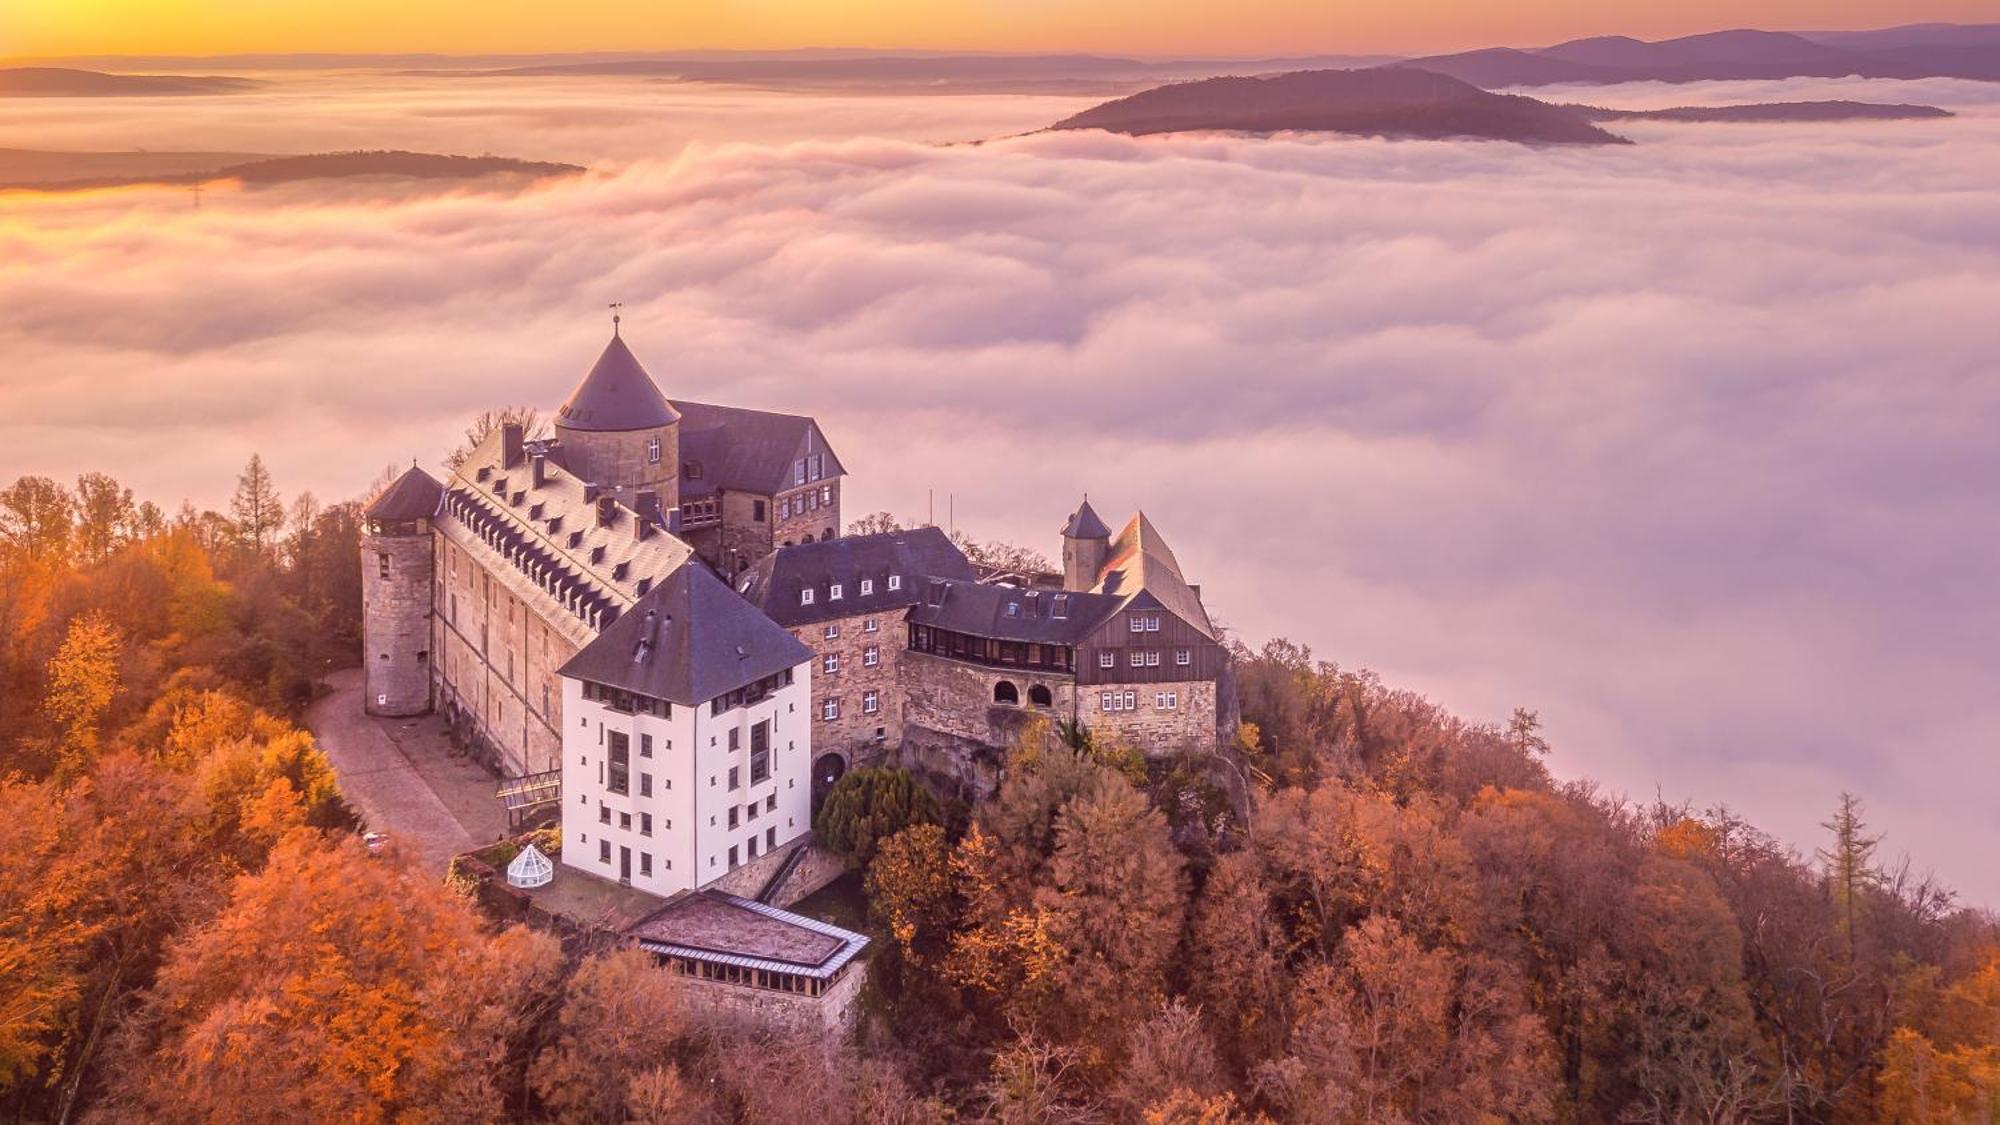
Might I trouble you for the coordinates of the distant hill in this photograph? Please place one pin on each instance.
(59, 82)
(1769, 111)
(1928, 51)
(1396, 102)
(42, 170)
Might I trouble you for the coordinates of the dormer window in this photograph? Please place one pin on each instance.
(1059, 608)
(806, 596)
(653, 451)
(1013, 609)
(867, 586)
(833, 593)
(895, 581)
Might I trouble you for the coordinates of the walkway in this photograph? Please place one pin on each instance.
(402, 778)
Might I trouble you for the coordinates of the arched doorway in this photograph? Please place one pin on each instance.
(827, 770)
(1006, 692)
(1040, 697)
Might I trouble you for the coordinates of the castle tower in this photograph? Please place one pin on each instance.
(1086, 543)
(396, 583)
(618, 431)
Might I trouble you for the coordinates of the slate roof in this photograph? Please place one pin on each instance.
(616, 394)
(748, 450)
(1055, 617)
(1084, 524)
(688, 640)
(1141, 563)
(413, 496)
(730, 930)
(774, 585)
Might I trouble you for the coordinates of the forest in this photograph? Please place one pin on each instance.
(1365, 910)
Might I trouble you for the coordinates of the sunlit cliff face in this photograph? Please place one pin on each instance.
(1687, 444)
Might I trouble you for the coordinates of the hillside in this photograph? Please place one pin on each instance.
(1392, 102)
(1769, 111)
(1938, 51)
(61, 82)
(41, 171)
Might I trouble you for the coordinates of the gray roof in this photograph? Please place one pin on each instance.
(616, 394)
(1084, 524)
(748, 450)
(775, 583)
(1055, 617)
(688, 640)
(729, 930)
(1141, 563)
(413, 496)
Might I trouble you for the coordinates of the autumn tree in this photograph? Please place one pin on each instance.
(105, 516)
(533, 428)
(36, 515)
(620, 1017)
(1850, 868)
(910, 891)
(83, 679)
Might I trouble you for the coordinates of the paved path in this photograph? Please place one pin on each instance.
(394, 794)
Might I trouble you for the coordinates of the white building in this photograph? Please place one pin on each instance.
(687, 739)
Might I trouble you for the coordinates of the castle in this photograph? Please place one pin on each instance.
(653, 618)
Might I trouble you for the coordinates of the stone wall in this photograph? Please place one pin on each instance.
(1151, 728)
(817, 867)
(853, 734)
(623, 459)
(743, 538)
(950, 765)
(749, 877)
(832, 1012)
(956, 698)
(395, 620)
(496, 658)
(807, 518)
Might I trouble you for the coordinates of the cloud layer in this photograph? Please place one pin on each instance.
(1688, 445)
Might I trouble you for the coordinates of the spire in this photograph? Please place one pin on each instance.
(1084, 524)
(616, 394)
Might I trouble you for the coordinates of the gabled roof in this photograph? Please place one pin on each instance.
(1084, 524)
(726, 929)
(1140, 562)
(687, 641)
(616, 394)
(1009, 613)
(749, 450)
(413, 496)
(775, 584)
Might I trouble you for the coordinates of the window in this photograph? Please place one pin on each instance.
(867, 586)
(1152, 658)
(771, 803)
(1131, 701)
(1183, 656)
(653, 451)
(798, 477)
(733, 861)
(1013, 609)
(830, 709)
(645, 785)
(870, 625)
(1006, 692)
(871, 656)
(735, 815)
(785, 510)
(770, 837)
(832, 632)
(625, 821)
(603, 814)
(895, 581)
(1104, 700)
(1040, 696)
(1167, 700)
(645, 824)
(750, 811)
(645, 746)
(756, 511)
(382, 563)
(645, 863)
(620, 780)
(826, 495)
(830, 663)
(812, 501)
(1059, 608)
(736, 777)
(760, 752)
(1138, 624)
(604, 851)
(751, 843)
(806, 596)
(1138, 658)
(871, 702)
(1107, 659)
(833, 593)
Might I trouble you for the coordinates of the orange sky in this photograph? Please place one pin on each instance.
(60, 27)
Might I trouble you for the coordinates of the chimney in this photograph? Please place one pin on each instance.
(539, 470)
(510, 444)
(607, 511)
(647, 507)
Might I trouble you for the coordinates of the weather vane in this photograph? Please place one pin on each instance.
(616, 316)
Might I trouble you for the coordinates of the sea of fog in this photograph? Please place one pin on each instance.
(1688, 445)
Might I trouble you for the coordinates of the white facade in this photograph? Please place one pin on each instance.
(691, 809)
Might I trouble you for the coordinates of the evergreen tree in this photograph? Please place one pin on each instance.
(257, 509)
(868, 806)
(1849, 866)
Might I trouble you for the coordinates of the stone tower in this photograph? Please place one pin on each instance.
(396, 582)
(619, 432)
(1086, 542)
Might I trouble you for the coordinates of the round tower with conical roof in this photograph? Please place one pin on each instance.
(397, 575)
(1086, 542)
(618, 431)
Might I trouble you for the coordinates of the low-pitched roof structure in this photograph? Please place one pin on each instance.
(687, 641)
(413, 496)
(1140, 563)
(729, 930)
(616, 394)
(777, 583)
(749, 450)
(1009, 613)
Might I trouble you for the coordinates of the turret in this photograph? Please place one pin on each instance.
(618, 431)
(397, 575)
(1086, 543)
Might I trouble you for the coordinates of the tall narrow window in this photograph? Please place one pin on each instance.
(382, 562)
(653, 450)
(619, 779)
(760, 752)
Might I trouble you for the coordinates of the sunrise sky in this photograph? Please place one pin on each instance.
(62, 27)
